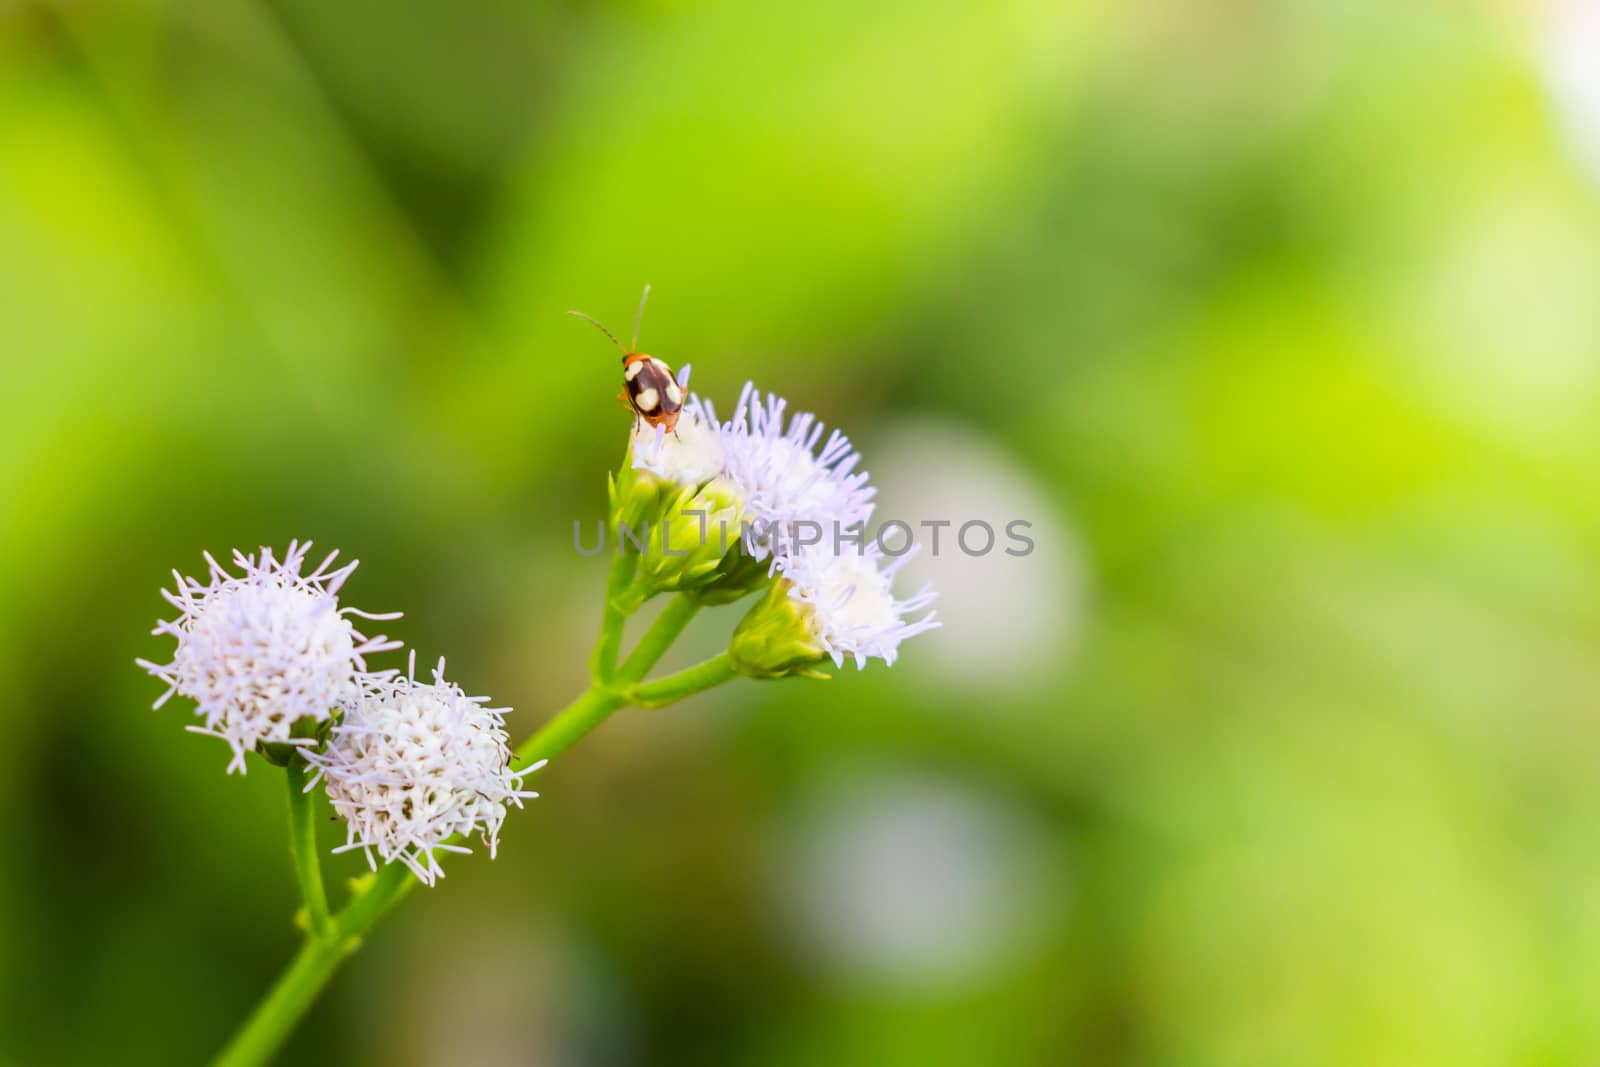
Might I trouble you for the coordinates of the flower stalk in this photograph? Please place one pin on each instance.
(303, 847)
(332, 938)
(677, 615)
(686, 683)
(276, 1016)
(604, 659)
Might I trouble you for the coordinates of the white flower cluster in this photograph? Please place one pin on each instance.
(795, 480)
(853, 603)
(413, 764)
(271, 659)
(262, 651)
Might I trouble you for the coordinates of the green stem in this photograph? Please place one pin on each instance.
(569, 724)
(685, 683)
(303, 846)
(654, 644)
(603, 661)
(270, 1024)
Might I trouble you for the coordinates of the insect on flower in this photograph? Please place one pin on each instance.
(649, 389)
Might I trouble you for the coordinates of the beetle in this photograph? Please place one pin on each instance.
(649, 389)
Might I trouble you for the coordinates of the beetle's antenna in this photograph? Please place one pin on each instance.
(639, 315)
(601, 328)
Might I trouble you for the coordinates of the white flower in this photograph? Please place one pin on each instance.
(853, 610)
(260, 652)
(692, 454)
(785, 480)
(414, 764)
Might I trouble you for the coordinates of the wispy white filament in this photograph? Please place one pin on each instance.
(854, 613)
(263, 650)
(786, 479)
(413, 764)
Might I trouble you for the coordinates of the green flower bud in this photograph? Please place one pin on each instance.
(776, 639)
(736, 577)
(636, 496)
(697, 528)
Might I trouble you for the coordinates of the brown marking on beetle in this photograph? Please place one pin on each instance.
(651, 390)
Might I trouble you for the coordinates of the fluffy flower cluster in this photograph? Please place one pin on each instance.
(800, 493)
(262, 651)
(413, 764)
(274, 664)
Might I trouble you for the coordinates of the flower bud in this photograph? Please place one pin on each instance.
(636, 496)
(737, 576)
(776, 638)
(697, 528)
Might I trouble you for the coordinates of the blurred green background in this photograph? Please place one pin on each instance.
(1279, 320)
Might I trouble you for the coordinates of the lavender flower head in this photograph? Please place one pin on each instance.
(853, 610)
(260, 652)
(785, 479)
(827, 606)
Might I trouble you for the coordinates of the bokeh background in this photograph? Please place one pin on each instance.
(1279, 320)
